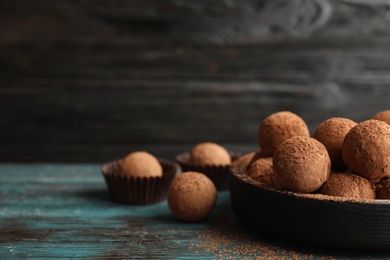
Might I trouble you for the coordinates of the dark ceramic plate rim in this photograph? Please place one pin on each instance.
(312, 196)
(312, 218)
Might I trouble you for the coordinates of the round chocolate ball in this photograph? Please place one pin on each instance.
(278, 127)
(366, 149)
(140, 164)
(301, 164)
(383, 116)
(191, 196)
(331, 133)
(244, 161)
(348, 184)
(383, 189)
(262, 172)
(209, 153)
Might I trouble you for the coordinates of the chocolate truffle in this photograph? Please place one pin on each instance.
(210, 154)
(331, 133)
(366, 149)
(140, 164)
(192, 196)
(262, 172)
(278, 127)
(383, 189)
(347, 184)
(244, 161)
(301, 164)
(383, 116)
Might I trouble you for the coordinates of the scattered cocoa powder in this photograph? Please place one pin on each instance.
(224, 241)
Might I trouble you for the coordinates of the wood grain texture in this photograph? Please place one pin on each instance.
(64, 211)
(89, 80)
(221, 22)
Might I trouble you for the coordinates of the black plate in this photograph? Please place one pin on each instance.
(312, 218)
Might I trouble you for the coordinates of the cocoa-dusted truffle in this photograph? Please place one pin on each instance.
(331, 133)
(383, 189)
(209, 153)
(262, 171)
(139, 178)
(348, 184)
(244, 161)
(279, 127)
(301, 164)
(366, 149)
(191, 196)
(140, 164)
(383, 116)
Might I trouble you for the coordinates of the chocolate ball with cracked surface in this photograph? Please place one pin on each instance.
(209, 153)
(278, 127)
(331, 133)
(383, 116)
(348, 184)
(262, 172)
(366, 149)
(191, 196)
(140, 164)
(301, 164)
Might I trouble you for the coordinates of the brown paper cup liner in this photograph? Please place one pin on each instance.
(138, 190)
(219, 174)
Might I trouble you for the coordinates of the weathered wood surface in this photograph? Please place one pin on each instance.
(64, 211)
(91, 80)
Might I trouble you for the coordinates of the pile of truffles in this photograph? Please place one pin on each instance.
(342, 158)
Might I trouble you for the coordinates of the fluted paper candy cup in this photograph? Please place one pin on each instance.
(138, 190)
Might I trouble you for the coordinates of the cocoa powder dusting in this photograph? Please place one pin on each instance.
(331, 134)
(278, 127)
(223, 241)
(347, 184)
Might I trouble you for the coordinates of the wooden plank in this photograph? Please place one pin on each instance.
(178, 21)
(183, 101)
(64, 211)
(101, 153)
(76, 76)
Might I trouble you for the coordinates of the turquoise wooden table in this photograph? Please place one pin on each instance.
(64, 211)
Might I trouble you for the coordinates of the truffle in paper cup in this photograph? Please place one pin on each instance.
(138, 190)
(219, 174)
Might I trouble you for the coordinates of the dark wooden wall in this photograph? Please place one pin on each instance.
(90, 80)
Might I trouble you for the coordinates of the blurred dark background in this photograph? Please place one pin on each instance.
(91, 80)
